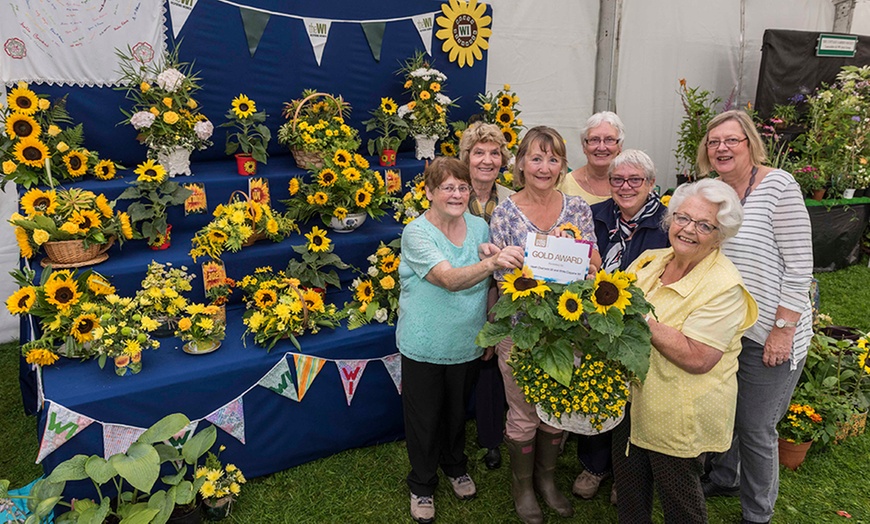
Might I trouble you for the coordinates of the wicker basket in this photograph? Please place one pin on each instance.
(256, 235)
(309, 159)
(72, 253)
(852, 427)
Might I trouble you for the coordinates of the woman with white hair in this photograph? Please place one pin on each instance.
(687, 403)
(601, 138)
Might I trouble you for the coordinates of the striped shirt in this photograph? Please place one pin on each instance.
(774, 253)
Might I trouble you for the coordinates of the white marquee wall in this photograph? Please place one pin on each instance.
(546, 50)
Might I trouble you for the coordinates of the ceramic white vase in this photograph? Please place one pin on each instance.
(348, 223)
(176, 160)
(425, 146)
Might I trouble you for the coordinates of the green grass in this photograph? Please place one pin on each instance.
(368, 485)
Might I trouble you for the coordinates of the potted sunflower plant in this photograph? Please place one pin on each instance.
(318, 264)
(576, 346)
(386, 121)
(376, 292)
(250, 136)
(154, 192)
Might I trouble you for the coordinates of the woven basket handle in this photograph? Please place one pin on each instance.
(304, 305)
(309, 98)
(107, 245)
(248, 201)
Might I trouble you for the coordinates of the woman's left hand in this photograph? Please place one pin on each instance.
(777, 348)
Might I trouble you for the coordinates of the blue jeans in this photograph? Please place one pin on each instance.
(763, 396)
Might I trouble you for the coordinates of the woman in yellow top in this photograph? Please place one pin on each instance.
(687, 403)
(601, 138)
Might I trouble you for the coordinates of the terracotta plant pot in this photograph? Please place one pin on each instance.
(818, 194)
(792, 455)
(388, 157)
(245, 164)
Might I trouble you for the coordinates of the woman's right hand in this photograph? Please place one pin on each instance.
(510, 257)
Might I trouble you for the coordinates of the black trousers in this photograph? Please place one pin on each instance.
(490, 404)
(678, 481)
(434, 397)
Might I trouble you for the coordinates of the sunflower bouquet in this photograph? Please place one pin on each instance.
(68, 306)
(250, 135)
(413, 203)
(164, 112)
(801, 424)
(161, 293)
(426, 113)
(36, 150)
(386, 121)
(122, 333)
(317, 125)
(318, 265)
(237, 224)
(277, 308)
(344, 185)
(576, 345)
(153, 192)
(376, 292)
(502, 109)
(54, 215)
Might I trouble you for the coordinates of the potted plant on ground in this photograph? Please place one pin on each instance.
(223, 483)
(154, 193)
(699, 106)
(812, 180)
(386, 121)
(251, 136)
(797, 431)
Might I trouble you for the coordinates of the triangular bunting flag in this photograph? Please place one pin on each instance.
(62, 425)
(177, 441)
(118, 437)
(230, 418)
(307, 368)
(318, 32)
(424, 24)
(255, 24)
(179, 10)
(393, 363)
(351, 372)
(375, 36)
(279, 380)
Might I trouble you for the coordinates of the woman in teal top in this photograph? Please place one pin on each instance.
(441, 309)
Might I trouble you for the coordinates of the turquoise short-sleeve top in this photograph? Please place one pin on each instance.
(435, 325)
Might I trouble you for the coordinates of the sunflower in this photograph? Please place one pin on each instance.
(340, 213)
(362, 198)
(504, 117)
(341, 158)
(320, 198)
(85, 220)
(76, 163)
(102, 204)
(126, 226)
(23, 242)
(313, 300)
(21, 301)
(31, 151)
(390, 263)
(448, 149)
(326, 177)
(317, 240)
(23, 100)
(460, 45)
(63, 293)
(83, 327)
(610, 291)
(666, 200)
(388, 106)
(150, 171)
(39, 202)
(294, 186)
(351, 174)
(522, 283)
(360, 161)
(510, 136)
(265, 298)
(365, 292)
(19, 125)
(41, 357)
(570, 306)
(105, 170)
(571, 228)
(99, 285)
(243, 107)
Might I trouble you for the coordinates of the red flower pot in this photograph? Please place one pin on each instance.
(388, 157)
(167, 238)
(245, 164)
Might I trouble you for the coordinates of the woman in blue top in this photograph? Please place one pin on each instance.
(442, 307)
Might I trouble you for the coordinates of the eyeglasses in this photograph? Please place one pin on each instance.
(701, 226)
(633, 182)
(730, 143)
(451, 189)
(595, 141)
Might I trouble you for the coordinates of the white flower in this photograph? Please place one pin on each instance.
(381, 315)
(442, 99)
(373, 271)
(170, 79)
(203, 129)
(142, 119)
(372, 259)
(356, 282)
(412, 213)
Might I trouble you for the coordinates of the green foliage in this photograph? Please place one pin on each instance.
(153, 197)
(387, 122)
(317, 268)
(699, 106)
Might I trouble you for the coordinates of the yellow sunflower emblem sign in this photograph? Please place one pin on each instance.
(464, 31)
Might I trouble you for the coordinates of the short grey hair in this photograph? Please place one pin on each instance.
(636, 158)
(602, 117)
(730, 214)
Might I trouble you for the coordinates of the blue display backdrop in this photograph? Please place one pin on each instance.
(213, 38)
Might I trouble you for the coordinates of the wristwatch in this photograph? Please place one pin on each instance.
(783, 323)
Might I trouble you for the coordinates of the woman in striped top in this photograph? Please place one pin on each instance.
(773, 252)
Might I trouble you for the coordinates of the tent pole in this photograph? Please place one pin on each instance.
(607, 56)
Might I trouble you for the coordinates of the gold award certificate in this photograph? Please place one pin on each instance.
(557, 259)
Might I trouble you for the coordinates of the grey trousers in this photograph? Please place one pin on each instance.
(763, 396)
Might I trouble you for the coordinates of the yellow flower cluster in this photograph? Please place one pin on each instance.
(376, 293)
(414, 203)
(220, 481)
(801, 424)
(200, 324)
(317, 125)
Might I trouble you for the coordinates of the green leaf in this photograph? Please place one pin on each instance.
(46, 506)
(184, 493)
(199, 444)
(610, 324)
(164, 502)
(164, 428)
(99, 469)
(492, 334)
(140, 466)
(632, 348)
(70, 469)
(141, 516)
(528, 337)
(542, 312)
(556, 359)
